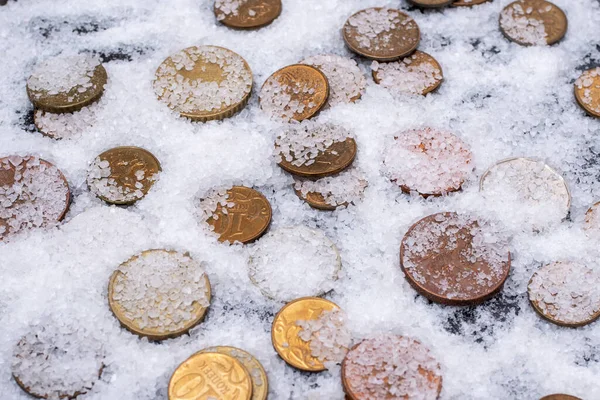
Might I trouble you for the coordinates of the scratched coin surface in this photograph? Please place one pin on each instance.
(468, 3)
(258, 375)
(123, 175)
(560, 397)
(431, 3)
(418, 73)
(296, 92)
(453, 259)
(533, 22)
(382, 34)
(247, 14)
(587, 91)
(208, 376)
(238, 214)
(332, 192)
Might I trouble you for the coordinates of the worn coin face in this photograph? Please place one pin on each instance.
(247, 14)
(296, 92)
(381, 34)
(206, 376)
(431, 3)
(123, 175)
(587, 91)
(332, 192)
(560, 397)
(418, 73)
(468, 3)
(533, 22)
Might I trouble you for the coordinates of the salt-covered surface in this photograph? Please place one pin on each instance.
(502, 99)
(65, 125)
(328, 336)
(418, 73)
(345, 188)
(63, 73)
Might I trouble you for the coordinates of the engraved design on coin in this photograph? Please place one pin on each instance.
(533, 22)
(247, 14)
(587, 91)
(418, 73)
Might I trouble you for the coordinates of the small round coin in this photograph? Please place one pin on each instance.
(418, 73)
(560, 397)
(247, 14)
(468, 3)
(296, 92)
(381, 34)
(533, 22)
(210, 376)
(431, 3)
(587, 91)
(332, 192)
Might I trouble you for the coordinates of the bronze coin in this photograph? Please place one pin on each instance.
(418, 73)
(468, 3)
(587, 91)
(560, 397)
(449, 259)
(533, 22)
(247, 14)
(332, 192)
(430, 3)
(381, 34)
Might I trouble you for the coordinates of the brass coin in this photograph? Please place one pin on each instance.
(123, 175)
(587, 91)
(332, 192)
(296, 92)
(204, 83)
(381, 34)
(260, 383)
(533, 22)
(247, 14)
(206, 376)
(468, 3)
(437, 257)
(159, 294)
(560, 397)
(418, 73)
(431, 3)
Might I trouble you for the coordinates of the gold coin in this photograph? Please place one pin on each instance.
(381, 34)
(247, 14)
(159, 294)
(430, 3)
(296, 92)
(533, 22)
(204, 83)
(587, 91)
(207, 376)
(123, 175)
(468, 3)
(285, 332)
(418, 73)
(260, 383)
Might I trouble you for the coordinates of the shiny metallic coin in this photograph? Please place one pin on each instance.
(533, 22)
(247, 14)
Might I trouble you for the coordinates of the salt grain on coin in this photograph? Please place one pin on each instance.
(430, 3)
(247, 14)
(533, 22)
(418, 73)
(331, 192)
(64, 125)
(468, 3)
(560, 397)
(587, 91)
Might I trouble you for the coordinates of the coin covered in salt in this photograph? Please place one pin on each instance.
(468, 3)
(533, 22)
(418, 73)
(64, 125)
(587, 91)
(331, 192)
(430, 3)
(247, 14)
(560, 397)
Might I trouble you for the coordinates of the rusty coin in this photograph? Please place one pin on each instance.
(247, 14)
(533, 22)
(560, 397)
(332, 192)
(587, 91)
(468, 3)
(418, 73)
(430, 3)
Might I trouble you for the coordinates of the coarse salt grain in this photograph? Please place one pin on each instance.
(346, 81)
(65, 125)
(328, 336)
(415, 74)
(345, 188)
(63, 73)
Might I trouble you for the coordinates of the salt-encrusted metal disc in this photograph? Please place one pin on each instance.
(418, 73)
(247, 14)
(331, 192)
(533, 22)
(468, 3)
(64, 125)
(431, 3)
(587, 91)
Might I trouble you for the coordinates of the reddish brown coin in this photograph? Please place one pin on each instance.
(430, 3)
(587, 91)
(452, 259)
(468, 3)
(247, 14)
(332, 192)
(560, 397)
(533, 22)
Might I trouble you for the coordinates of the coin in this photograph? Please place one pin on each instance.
(260, 383)
(381, 34)
(64, 125)
(587, 91)
(418, 73)
(566, 293)
(204, 83)
(560, 397)
(431, 3)
(453, 259)
(391, 367)
(206, 376)
(332, 192)
(159, 294)
(468, 3)
(592, 219)
(247, 14)
(66, 83)
(239, 214)
(533, 22)
(296, 92)
(123, 175)
(33, 194)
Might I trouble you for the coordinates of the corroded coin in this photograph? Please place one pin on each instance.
(296, 92)
(566, 293)
(533, 22)
(431, 3)
(391, 367)
(418, 73)
(204, 83)
(468, 3)
(66, 83)
(346, 81)
(33, 194)
(587, 91)
(247, 14)
(453, 259)
(381, 34)
(123, 175)
(260, 383)
(159, 294)
(560, 397)
(239, 214)
(332, 192)
(64, 125)
(206, 376)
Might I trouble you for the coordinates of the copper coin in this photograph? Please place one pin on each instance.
(381, 34)
(450, 259)
(533, 22)
(430, 3)
(560, 397)
(296, 92)
(468, 3)
(247, 14)
(391, 367)
(418, 73)
(332, 192)
(33, 194)
(587, 91)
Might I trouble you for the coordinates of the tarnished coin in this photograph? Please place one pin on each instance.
(64, 125)
(296, 92)
(468, 3)
(533, 22)
(204, 83)
(566, 293)
(587, 91)
(391, 367)
(560, 397)
(33, 194)
(247, 14)
(346, 81)
(260, 383)
(430, 3)
(332, 192)
(206, 376)
(453, 259)
(159, 294)
(66, 83)
(123, 175)
(382, 34)
(239, 214)
(418, 73)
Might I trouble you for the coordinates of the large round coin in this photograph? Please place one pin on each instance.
(533, 22)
